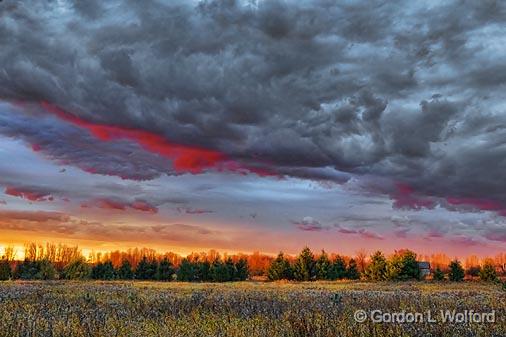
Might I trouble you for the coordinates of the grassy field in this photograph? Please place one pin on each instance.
(246, 309)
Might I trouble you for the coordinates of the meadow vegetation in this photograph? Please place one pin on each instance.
(249, 309)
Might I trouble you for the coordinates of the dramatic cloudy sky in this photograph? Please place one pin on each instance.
(254, 125)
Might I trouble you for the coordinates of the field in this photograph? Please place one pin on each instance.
(246, 309)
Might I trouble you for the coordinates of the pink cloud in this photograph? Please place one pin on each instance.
(28, 194)
(104, 203)
(406, 198)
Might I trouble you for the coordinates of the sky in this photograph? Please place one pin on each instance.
(254, 125)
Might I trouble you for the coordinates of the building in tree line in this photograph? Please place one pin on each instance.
(424, 268)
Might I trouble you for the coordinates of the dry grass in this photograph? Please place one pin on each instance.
(246, 309)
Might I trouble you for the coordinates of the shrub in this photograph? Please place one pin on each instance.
(487, 272)
(438, 275)
(456, 273)
(5, 270)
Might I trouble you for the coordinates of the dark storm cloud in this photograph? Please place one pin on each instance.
(410, 92)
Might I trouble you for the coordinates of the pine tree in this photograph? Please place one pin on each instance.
(146, 270)
(403, 266)
(377, 269)
(338, 269)
(279, 269)
(323, 267)
(352, 272)
(165, 270)
(202, 271)
(219, 271)
(77, 269)
(456, 273)
(304, 267)
(241, 268)
(125, 271)
(186, 271)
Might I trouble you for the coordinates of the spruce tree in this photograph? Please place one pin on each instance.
(165, 270)
(125, 271)
(377, 268)
(279, 269)
(241, 268)
(352, 272)
(146, 270)
(323, 267)
(304, 267)
(338, 269)
(77, 269)
(186, 271)
(456, 273)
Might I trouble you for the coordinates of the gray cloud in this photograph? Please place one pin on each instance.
(409, 92)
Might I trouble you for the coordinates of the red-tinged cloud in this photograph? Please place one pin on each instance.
(189, 210)
(185, 159)
(481, 204)
(143, 206)
(405, 198)
(28, 194)
(109, 204)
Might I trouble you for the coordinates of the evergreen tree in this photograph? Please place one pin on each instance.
(438, 275)
(203, 271)
(5, 270)
(219, 271)
(103, 271)
(456, 273)
(241, 268)
(186, 271)
(323, 267)
(377, 269)
(304, 267)
(77, 269)
(46, 270)
(231, 271)
(146, 270)
(165, 270)
(487, 272)
(352, 272)
(338, 269)
(403, 266)
(279, 269)
(125, 271)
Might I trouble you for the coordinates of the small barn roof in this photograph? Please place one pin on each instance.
(423, 265)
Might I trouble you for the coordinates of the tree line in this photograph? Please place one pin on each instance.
(147, 269)
(64, 262)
